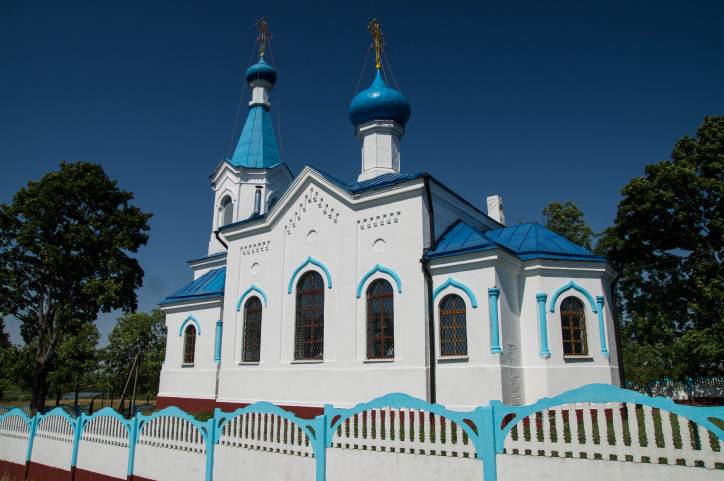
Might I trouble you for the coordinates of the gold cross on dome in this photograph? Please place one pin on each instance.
(378, 42)
(264, 36)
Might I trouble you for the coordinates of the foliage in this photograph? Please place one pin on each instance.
(5, 348)
(142, 334)
(567, 219)
(667, 243)
(76, 361)
(65, 242)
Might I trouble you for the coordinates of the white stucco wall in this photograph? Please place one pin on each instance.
(515, 468)
(51, 452)
(349, 240)
(349, 236)
(163, 464)
(233, 464)
(103, 458)
(199, 380)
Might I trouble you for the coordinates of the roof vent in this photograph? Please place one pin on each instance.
(495, 208)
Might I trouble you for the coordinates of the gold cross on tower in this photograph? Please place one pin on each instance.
(378, 42)
(264, 36)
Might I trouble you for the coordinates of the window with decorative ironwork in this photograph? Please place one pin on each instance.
(453, 327)
(251, 335)
(189, 345)
(309, 324)
(573, 326)
(380, 321)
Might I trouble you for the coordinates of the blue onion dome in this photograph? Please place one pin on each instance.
(379, 102)
(261, 71)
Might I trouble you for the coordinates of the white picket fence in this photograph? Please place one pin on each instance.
(390, 438)
(615, 432)
(266, 432)
(411, 431)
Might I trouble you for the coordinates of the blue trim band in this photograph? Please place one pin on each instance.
(252, 288)
(315, 262)
(186, 321)
(574, 286)
(383, 269)
(543, 324)
(217, 341)
(493, 294)
(601, 326)
(455, 283)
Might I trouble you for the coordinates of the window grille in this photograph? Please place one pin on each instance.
(573, 327)
(453, 328)
(251, 343)
(189, 344)
(380, 321)
(309, 325)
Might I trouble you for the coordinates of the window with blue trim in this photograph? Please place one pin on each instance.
(453, 326)
(251, 335)
(189, 345)
(380, 321)
(309, 320)
(573, 327)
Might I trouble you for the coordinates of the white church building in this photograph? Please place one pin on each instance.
(317, 290)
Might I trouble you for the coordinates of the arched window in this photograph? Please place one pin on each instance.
(227, 211)
(453, 328)
(309, 325)
(573, 327)
(251, 340)
(189, 345)
(380, 321)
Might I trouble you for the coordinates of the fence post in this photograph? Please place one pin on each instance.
(31, 439)
(77, 433)
(133, 426)
(321, 437)
(211, 439)
(486, 438)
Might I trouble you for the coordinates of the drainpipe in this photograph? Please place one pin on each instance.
(218, 238)
(616, 331)
(428, 286)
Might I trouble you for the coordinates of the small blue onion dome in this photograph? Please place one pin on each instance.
(261, 71)
(379, 102)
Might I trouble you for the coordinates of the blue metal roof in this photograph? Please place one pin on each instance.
(210, 284)
(379, 182)
(525, 241)
(257, 147)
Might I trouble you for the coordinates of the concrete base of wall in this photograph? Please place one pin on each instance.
(41, 472)
(196, 405)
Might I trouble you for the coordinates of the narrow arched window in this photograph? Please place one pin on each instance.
(453, 328)
(380, 321)
(227, 211)
(189, 345)
(251, 340)
(573, 327)
(309, 325)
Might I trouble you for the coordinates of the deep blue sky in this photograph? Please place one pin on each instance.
(535, 102)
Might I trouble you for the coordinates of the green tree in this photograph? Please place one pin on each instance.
(667, 243)
(136, 335)
(65, 242)
(76, 362)
(567, 219)
(5, 353)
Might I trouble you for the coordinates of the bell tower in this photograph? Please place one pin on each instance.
(246, 185)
